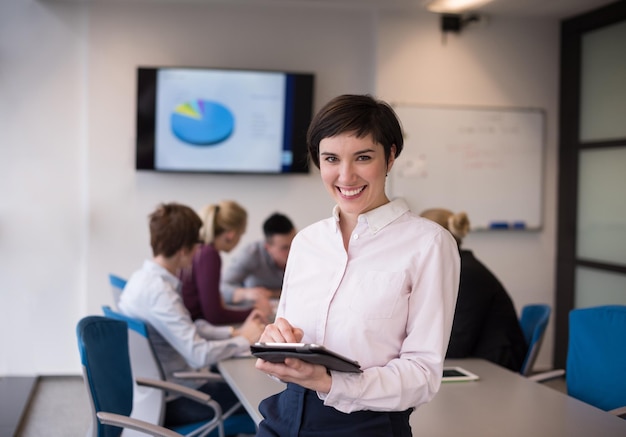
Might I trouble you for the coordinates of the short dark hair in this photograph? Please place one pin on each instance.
(361, 114)
(173, 227)
(277, 224)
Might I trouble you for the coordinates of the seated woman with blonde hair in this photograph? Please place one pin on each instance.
(223, 226)
(485, 321)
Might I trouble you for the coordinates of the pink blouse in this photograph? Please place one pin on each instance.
(388, 302)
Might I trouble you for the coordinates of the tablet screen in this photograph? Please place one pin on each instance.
(309, 352)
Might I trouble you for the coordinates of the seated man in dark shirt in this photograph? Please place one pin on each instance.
(257, 271)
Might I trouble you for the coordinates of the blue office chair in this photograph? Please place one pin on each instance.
(596, 357)
(149, 403)
(117, 286)
(533, 321)
(103, 346)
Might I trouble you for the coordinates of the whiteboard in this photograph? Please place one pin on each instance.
(484, 161)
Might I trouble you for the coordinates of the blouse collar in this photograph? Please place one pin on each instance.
(378, 218)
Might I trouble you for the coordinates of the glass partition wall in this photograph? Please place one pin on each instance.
(591, 247)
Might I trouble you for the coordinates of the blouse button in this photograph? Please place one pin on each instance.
(356, 236)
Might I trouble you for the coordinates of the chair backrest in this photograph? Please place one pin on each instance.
(596, 356)
(117, 286)
(149, 403)
(103, 347)
(533, 321)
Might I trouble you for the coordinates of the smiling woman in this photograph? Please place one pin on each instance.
(353, 171)
(367, 283)
(354, 149)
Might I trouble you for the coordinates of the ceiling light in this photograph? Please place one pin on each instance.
(454, 6)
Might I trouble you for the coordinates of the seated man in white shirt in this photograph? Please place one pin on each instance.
(256, 272)
(152, 295)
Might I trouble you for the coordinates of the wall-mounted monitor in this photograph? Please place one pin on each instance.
(213, 120)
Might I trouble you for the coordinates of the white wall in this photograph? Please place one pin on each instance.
(73, 209)
(338, 47)
(502, 63)
(42, 226)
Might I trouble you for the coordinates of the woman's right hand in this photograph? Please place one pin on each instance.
(281, 331)
(311, 376)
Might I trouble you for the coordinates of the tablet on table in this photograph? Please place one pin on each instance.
(454, 374)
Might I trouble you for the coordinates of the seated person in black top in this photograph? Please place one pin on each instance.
(485, 321)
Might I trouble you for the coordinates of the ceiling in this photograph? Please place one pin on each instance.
(555, 9)
(558, 9)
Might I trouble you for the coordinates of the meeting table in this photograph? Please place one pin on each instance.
(500, 403)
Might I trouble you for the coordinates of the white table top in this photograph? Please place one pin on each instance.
(501, 403)
(249, 384)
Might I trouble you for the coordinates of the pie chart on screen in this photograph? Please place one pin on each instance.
(202, 122)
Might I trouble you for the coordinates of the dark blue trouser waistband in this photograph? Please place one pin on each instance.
(298, 412)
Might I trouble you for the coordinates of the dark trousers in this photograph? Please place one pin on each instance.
(298, 412)
(182, 411)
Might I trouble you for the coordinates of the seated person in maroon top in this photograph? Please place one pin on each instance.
(223, 226)
(485, 324)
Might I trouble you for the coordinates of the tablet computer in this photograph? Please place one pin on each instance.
(451, 374)
(309, 352)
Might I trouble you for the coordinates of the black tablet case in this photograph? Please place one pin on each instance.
(311, 353)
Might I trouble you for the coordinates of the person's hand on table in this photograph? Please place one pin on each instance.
(252, 327)
(251, 294)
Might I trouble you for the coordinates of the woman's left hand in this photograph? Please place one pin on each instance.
(311, 376)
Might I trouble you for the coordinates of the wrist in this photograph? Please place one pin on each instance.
(326, 383)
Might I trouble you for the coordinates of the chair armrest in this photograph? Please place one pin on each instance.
(546, 376)
(194, 395)
(178, 389)
(135, 424)
(619, 412)
(190, 393)
(199, 375)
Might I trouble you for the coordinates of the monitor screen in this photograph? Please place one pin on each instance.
(212, 120)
